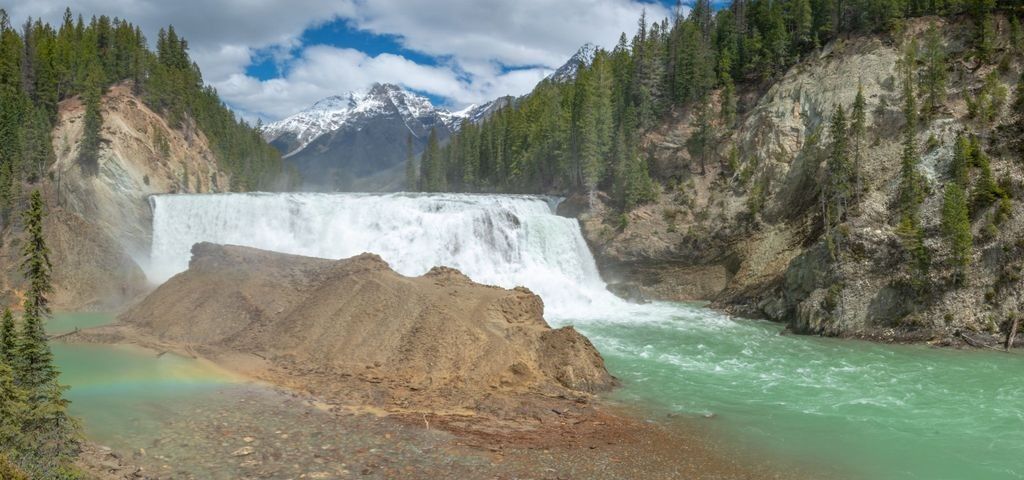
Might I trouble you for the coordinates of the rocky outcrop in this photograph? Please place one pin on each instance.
(356, 330)
(98, 222)
(141, 155)
(749, 230)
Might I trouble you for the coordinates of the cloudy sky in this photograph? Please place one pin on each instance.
(271, 58)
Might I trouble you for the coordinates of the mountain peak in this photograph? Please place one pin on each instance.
(567, 72)
(354, 109)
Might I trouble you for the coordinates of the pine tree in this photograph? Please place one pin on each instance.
(956, 225)
(88, 153)
(12, 413)
(858, 129)
(839, 183)
(935, 74)
(50, 434)
(959, 168)
(8, 339)
(35, 362)
(911, 190)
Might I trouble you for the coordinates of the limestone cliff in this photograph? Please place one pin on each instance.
(141, 155)
(98, 222)
(748, 234)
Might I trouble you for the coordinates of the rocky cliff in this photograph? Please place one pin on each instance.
(98, 223)
(748, 234)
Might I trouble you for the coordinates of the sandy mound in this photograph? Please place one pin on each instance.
(355, 329)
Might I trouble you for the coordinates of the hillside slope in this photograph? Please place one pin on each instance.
(749, 234)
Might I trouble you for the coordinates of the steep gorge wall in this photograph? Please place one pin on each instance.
(748, 233)
(99, 222)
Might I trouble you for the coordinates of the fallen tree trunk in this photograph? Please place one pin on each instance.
(1013, 333)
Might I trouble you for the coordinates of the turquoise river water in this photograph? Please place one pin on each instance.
(866, 411)
(870, 411)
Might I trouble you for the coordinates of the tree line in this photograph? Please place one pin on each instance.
(585, 134)
(41, 65)
(38, 439)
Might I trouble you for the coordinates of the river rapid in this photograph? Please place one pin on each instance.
(870, 411)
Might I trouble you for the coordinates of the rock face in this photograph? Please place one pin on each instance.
(98, 223)
(749, 235)
(140, 155)
(356, 329)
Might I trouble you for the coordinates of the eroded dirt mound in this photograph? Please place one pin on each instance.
(357, 330)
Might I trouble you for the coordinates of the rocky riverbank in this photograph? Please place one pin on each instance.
(743, 228)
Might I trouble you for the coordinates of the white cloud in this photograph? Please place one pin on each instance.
(476, 41)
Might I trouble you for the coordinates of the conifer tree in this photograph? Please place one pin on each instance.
(935, 74)
(911, 190)
(858, 129)
(8, 338)
(35, 362)
(959, 168)
(12, 412)
(956, 225)
(48, 430)
(839, 170)
(88, 153)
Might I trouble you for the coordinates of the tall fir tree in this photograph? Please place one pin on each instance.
(956, 226)
(858, 131)
(89, 147)
(35, 361)
(8, 338)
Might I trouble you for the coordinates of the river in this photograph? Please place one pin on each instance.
(871, 411)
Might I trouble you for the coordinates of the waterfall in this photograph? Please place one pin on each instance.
(500, 240)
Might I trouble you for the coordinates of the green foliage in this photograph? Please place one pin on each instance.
(956, 226)
(42, 65)
(935, 74)
(911, 188)
(432, 166)
(963, 153)
(89, 148)
(37, 436)
(839, 171)
(986, 105)
(986, 190)
(858, 130)
(8, 338)
(581, 134)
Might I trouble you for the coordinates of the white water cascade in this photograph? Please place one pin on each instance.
(494, 239)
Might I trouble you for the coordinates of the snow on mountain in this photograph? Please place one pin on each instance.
(567, 72)
(355, 109)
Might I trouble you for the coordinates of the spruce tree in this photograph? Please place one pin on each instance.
(12, 412)
(858, 128)
(911, 190)
(839, 181)
(956, 225)
(8, 338)
(935, 74)
(89, 150)
(959, 168)
(35, 362)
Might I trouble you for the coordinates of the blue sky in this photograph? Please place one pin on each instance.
(271, 58)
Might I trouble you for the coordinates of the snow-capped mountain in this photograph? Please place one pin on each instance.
(356, 108)
(357, 141)
(567, 72)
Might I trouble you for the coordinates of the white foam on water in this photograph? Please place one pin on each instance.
(506, 240)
